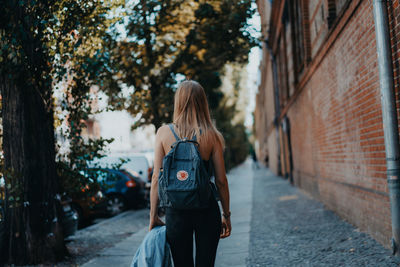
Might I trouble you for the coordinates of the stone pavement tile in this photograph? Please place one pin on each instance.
(232, 259)
(241, 227)
(237, 244)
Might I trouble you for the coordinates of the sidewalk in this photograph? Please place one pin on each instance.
(275, 224)
(232, 251)
(289, 228)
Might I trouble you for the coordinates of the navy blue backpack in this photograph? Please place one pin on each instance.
(184, 181)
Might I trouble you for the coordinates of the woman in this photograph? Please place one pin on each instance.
(190, 115)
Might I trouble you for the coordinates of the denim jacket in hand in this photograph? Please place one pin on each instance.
(154, 250)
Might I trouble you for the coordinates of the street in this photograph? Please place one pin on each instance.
(273, 224)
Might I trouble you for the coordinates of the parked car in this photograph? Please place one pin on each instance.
(137, 164)
(122, 189)
(69, 219)
(87, 204)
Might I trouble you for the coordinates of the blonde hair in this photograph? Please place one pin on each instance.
(191, 113)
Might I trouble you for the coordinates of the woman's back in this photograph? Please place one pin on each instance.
(167, 139)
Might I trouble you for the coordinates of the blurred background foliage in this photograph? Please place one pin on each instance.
(44, 44)
(110, 45)
(59, 53)
(168, 41)
(61, 50)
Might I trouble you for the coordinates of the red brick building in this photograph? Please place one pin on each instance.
(319, 117)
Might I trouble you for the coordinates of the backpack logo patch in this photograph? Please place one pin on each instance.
(182, 175)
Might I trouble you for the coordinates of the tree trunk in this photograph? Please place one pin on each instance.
(156, 120)
(32, 222)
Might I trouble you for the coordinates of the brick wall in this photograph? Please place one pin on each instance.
(341, 108)
(394, 17)
(264, 113)
(336, 130)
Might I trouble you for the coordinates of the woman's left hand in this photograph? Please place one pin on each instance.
(156, 221)
(226, 227)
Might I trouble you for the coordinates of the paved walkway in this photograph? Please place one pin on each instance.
(232, 251)
(289, 228)
(275, 224)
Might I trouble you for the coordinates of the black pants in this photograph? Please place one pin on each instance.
(206, 225)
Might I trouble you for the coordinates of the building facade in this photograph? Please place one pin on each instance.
(318, 114)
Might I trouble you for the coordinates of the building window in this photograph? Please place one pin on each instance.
(341, 4)
(299, 37)
(336, 8)
(281, 57)
(282, 71)
(331, 12)
(298, 13)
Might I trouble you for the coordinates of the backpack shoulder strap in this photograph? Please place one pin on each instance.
(171, 126)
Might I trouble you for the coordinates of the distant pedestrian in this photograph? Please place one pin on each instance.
(191, 122)
(254, 157)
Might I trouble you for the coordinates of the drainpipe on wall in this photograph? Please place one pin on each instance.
(389, 115)
(276, 100)
(286, 130)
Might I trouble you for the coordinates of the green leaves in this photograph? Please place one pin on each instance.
(84, 47)
(74, 45)
(190, 38)
(205, 11)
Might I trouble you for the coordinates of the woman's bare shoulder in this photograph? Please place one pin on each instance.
(163, 133)
(163, 130)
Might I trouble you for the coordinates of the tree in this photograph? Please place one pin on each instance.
(230, 114)
(83, 51)
(235, 135)
(31, 218)
(43, 43)
(168, 40)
